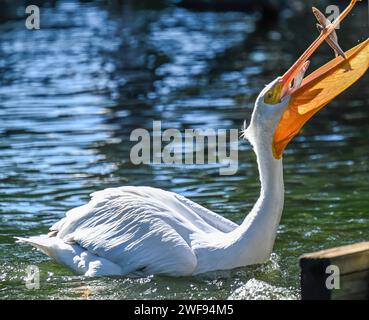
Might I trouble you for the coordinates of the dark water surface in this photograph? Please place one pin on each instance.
(72, 92)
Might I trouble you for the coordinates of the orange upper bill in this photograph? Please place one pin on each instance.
(317, 90)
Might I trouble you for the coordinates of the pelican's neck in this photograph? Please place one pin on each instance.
(270, 173)
(255, 236)
(268, 208)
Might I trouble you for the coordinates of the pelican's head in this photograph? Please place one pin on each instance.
(287, 103)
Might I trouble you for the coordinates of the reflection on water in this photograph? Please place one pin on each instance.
(71, 93)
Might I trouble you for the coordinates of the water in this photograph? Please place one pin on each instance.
(71, 93)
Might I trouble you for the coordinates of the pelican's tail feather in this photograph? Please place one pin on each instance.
(73, 256)
(42, 243)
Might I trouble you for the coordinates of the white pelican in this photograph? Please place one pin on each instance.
(143, 231)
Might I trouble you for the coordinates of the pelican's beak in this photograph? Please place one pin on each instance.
(314, 92)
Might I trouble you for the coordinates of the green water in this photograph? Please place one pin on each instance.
(72, 92)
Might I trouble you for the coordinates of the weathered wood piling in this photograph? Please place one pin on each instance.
(340, 273)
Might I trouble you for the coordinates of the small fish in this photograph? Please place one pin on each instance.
(300, 76)
(332, 39)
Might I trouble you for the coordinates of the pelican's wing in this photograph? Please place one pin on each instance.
(126, 226)
(141, 229)
(177, 204)
(213, 219)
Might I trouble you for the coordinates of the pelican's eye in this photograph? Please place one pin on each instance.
(268, 96)
(273, 95)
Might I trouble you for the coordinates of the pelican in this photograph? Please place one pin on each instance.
(142, 231)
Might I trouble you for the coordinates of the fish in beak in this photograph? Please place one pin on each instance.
(332, 39)
(311, 94)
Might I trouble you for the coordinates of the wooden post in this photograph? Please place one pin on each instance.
(337, 273)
